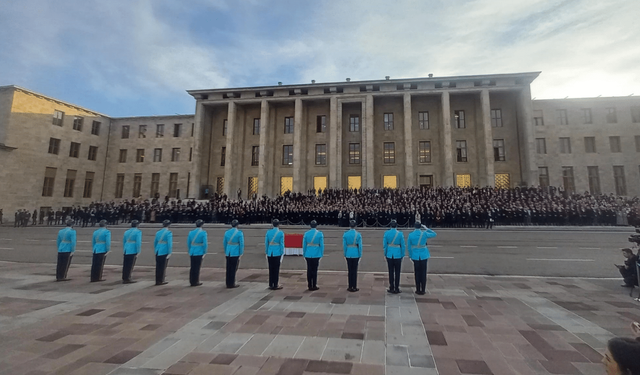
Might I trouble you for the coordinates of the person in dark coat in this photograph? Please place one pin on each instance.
(629, 270)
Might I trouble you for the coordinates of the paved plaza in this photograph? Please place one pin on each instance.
(464, 325)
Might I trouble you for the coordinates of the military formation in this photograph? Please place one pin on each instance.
(394, 246)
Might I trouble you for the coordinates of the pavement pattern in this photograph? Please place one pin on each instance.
(464, 325)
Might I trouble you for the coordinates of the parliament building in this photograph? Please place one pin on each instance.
(482, 130)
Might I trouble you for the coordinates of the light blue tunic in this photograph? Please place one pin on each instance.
(313, 244)
(274, 242)
(352, 244)
(101, 241)
(233, 242)
(132, 241)
(163, 243)
(393, 244)
(197, 242)
(417, 244)
(66, 240)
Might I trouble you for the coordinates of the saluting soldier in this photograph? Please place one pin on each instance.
(394, 250)
(197, 244)
(274, 248)
(66, 246)
(419, 254)
(101, 244)
(313, 250)
(131, 242)
(352, 247)
(163, 245)
(233, 243)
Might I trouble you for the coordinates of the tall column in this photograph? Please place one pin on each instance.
(335, 143)
(230, 184)
(265, 171)
(528, 168)
(408, 143)
(196, 156)
(445, 141)
(299, 150)
(368, 177)
(485, 141)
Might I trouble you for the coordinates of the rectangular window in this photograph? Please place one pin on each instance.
(88, 185)
(541, 146)
(119, 185)
(635, 114)
(614, 142)
(590, 145)
(562, 117)
(223, 156)
(463, 180)
(288, 125)
(567, 179)
(123, 156)
(354, 153)
(354, 182)
(287, 155)
(321, 154)
(543, 176)
(461, 151)
(177, 130)
(390, 182)
(637, 137)
(220, 185)
(137, 184)
(193, 128)
(54, 146)
(498, 150)
(95, 128)
(155, 185)
(586, 116)
(159, 130)
(538, 120)
(125, 131)
(423, 120)
(496, 118)
(256, 126)
(252, 187)
(142, 131)
(426, 181)
(354, 123)
(175, 154)
(173, 185)
(286, 184)
(389, 152)
(224, 127)
(565, 145)
(388, 121)
(255, 156)
(93, 153)
(157, 155)
(321, 124)
(140, 155)
(619, 180)
(459, 119)
(58, 118)
(502, 181)
(49, 180)
(74, 150)
(69, 183)
(424, 151)
(190, 153)
(594, 180)
(612, 117)
(77, 123)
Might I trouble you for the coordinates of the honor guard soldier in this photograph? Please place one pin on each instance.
(132, 242)
(101, 244)
(163, 244)
(233, 243)
(419, 254)
(197, 244)
(393, 245)
(66, 246)
(313, 250)
(352, 246)
(274, 248)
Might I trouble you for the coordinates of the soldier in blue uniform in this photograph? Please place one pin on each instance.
(233, 244)
(419, 254)
(66, 246)
(197, 244)
(163, 245)
(101, 244)
(131, 242)
(352, 246)
(394, 250)
(313, 250)
(274, 248)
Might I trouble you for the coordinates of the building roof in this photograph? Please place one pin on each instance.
(18, 88)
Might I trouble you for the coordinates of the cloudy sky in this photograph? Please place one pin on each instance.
(137, 57)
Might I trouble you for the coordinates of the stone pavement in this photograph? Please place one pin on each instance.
(464, 325)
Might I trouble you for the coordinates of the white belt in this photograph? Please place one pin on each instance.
(394, 246)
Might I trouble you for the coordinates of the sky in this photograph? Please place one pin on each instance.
(138, 57)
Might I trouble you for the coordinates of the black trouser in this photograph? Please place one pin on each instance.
(352, 267)
(64, 261)
(127, 266)
(420, 272)
(97, 266)
(395, 265)
(629, 276)
(274, 270)
(232, 267)
(194, 272)
(161, 267)
(312, 272)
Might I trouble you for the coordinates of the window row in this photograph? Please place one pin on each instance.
(78, 122)
(586, 117)
(154, 191)
(74, 149)
(564, 145)
(593, 177)
(157, 155)
(69, 183)
(142, 131)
